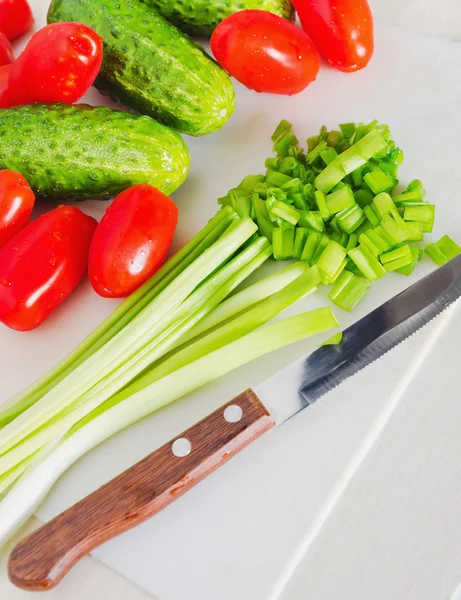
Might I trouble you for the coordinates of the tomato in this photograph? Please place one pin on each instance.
(342, 30)
(42, 264)
(265, 52)
(59, 64)
(131, 241)
(16, 204)
(15, 18)
(6, 50)
(5, 71)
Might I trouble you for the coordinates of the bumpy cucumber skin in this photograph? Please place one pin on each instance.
(152, 67)
(200, 17)
(75, 152)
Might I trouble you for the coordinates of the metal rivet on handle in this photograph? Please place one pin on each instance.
(233, 413)
(181, 447)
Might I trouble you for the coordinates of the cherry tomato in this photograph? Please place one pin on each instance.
(5, 71)
(6, 50)
(265, 52)
(342, 30)
(16, 204)
(59, 64)
(42, 264)
(15, 18)
(131, 241)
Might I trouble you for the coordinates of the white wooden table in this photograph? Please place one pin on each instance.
(350, 561)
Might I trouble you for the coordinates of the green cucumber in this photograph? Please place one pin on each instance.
(200, 17)
(76, 152)
(152, 67)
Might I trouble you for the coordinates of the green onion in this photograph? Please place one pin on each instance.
(286, 212)
(300, 241)
(332, 261)
(283, 243)
(408, 269)
(348, 290)
(378, 181)
(367, 264)
(350, 219)
(398, 258)
(350, 160)
(320, 200)
(371, 215)
(312, 243)
(339, 200)
(443, 250)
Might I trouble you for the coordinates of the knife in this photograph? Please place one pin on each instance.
(42, 559)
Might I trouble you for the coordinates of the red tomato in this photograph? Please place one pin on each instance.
(15, 18)
(42, 264)
(6, 50)
(5, 71)
(16, 204)
(342, 30)
(131, 240)
(59, 64)
(265, 52)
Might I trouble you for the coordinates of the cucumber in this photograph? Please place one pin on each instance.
(152, 67)
(200, 17)
(74, 152)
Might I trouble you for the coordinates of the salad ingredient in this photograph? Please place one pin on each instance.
(152, 67)
(76, 152)
(342, 30)
(16, 204)
(15, 18)
(151, 333)
(131, 241)
(24, 497)
(121, 316)
(348, 290)
(59, 64)
(6, 50)
(5, 71)
(331, 206)
(443, 250)
(201, 17)
(42, 264)
(265, 52)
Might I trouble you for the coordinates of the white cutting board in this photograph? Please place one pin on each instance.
(233, 535)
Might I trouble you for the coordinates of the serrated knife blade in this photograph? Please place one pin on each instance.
(42, 559)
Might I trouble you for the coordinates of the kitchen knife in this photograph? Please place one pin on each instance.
(41, 560)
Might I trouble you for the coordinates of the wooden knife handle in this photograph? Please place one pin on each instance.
(42, 559)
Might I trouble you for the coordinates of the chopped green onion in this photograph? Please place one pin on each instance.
(398, 258)
(383, 204)
(276, 179)
(393, 230)
(408, 269)
(350, 218)
(328, 155)
(350, 160)
(378, 181)
(339, 200)
(332, 261)
(312, 243)
(283, 243)
(371, 215)
(367, 264)
(320, 200)
(313, 220)
(281, 130)
(286, 212)
(443, 250)
(363, 197)
(301, 234)
(348, 290)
